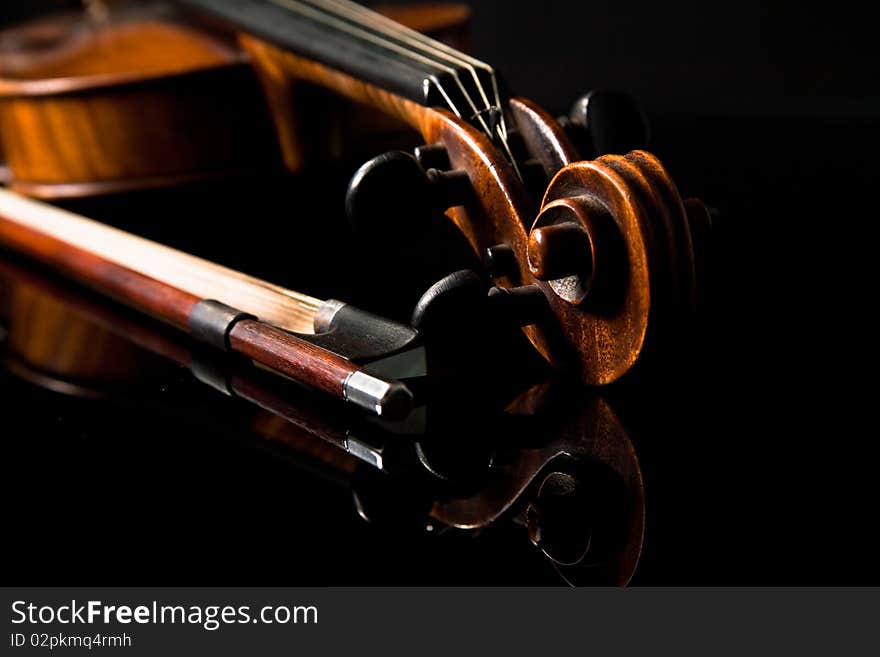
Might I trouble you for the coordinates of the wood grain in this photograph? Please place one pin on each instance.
(134, 104)
(51, 330)
(292, 356)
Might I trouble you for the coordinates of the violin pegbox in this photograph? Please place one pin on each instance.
(609, 248)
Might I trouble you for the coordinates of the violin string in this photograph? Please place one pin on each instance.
(438, 49)
(339, 23)
(415, 39)
(430, 46)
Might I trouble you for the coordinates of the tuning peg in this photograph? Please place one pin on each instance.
(446, 304)
(500, 260)
(559, 250)
(432, 156)
(472, 336)
(460, 301)
(603, 122)
(570, 245)
(449, 187)
(522, 306)
(393, 188)
(387, 189)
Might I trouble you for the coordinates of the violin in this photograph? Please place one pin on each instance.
(594, 259)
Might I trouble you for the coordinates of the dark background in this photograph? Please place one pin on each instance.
(759, 460)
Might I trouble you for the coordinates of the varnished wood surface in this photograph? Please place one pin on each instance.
(137, 103)
(292, 356)
(88, 56)
(282, 75)
(49, 334)
(545, 138)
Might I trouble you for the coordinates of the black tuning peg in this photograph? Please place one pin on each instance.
(500, 260)
(454, 303)
(463, 301)
(603, 122)
(520, 306)
(432, 156)
(395, 190)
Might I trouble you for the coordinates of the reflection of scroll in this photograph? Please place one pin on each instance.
(580, 429)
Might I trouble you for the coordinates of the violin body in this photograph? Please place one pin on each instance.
(142, 101)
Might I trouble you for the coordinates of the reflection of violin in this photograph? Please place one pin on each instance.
(566, 469)
(593, 258)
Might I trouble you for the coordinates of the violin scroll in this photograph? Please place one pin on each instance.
(612, 250)
(609, 247)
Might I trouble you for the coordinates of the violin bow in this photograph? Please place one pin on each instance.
(604, 245)
(317, 343)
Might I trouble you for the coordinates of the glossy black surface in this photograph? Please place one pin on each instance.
(759, 457)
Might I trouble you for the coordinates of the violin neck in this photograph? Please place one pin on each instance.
(352, 39)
